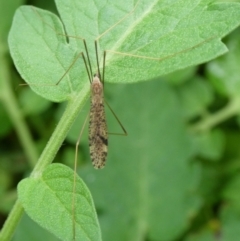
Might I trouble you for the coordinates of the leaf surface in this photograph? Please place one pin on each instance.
(157, 38)
(48, 200)
(148, 189)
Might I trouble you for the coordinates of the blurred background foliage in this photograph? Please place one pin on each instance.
(179, 167)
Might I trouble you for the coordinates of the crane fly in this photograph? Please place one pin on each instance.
(98, 134)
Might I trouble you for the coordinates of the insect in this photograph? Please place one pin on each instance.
(98, 133)
(98, 125)
(98, 136)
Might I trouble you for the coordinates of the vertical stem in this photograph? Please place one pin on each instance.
(74, 106)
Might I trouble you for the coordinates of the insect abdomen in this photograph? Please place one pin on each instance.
(98, 137)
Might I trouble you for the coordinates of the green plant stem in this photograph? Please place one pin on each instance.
(11, 222)
(14, 112)
(73, 108)
(212, 120)
(48, 154)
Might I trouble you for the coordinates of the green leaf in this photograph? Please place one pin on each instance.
(148, 189)
(209, 144)
(165, 35)
(195, 95)
(47, 199)
(42, 57)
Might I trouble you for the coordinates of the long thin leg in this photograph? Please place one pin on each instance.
(119, 122)
(85, 45)
(145, 57)
(69, 36)
(163, 58)
(68, 69)
(104, 62)
(75, 177)
(96, 51)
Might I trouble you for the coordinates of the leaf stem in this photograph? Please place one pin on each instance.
(75, 104)
(73, 108)
(212, 120)
(11, 222)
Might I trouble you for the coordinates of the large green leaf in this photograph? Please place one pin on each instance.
(148, 189)
(48, 199)
(167, 35)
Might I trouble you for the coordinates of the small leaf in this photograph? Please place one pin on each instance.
(41, 56)
(47, 199)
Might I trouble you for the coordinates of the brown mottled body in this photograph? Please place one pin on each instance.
(98, 136)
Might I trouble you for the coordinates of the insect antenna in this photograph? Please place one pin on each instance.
(97, 59)
(103, 71)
